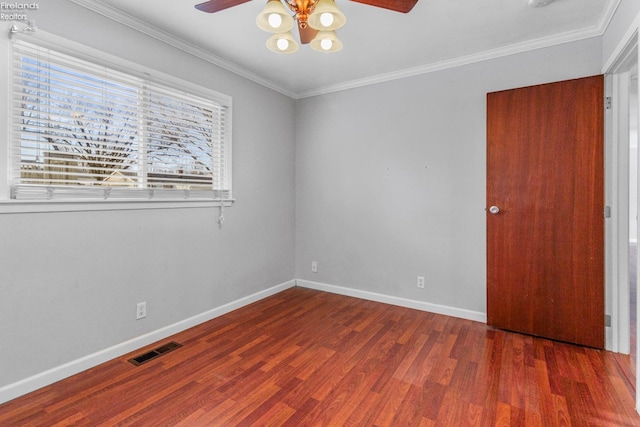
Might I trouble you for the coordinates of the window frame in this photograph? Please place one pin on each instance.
(48, 41)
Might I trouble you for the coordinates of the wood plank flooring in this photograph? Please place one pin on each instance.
(309, 358)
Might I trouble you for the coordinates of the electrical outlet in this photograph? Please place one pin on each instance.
(420, 282)
(314, 267)
(141, 310)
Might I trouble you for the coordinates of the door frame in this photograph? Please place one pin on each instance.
(618, 74)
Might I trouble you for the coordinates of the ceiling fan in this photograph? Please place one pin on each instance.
(316, 20)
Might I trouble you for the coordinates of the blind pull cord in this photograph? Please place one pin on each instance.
(221, 215)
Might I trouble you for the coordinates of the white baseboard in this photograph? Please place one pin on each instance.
(27, 385)
(402, 302)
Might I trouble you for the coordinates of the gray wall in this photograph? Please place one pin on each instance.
(69, 282)
(378, 184)
(390, 178)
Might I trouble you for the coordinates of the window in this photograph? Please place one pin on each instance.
(82, 130)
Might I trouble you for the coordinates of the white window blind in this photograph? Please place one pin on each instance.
(81, 130)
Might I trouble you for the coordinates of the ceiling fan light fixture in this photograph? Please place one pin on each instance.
(326, 19)
(282, 43)
(315, 19)
(326, 16)
(326, 42)
(274, 18)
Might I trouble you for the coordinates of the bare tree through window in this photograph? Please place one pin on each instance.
(82, 129)
(77, 131)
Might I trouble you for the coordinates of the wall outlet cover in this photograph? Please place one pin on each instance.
(141, 310)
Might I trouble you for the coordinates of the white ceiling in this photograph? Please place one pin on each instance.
(378, 44)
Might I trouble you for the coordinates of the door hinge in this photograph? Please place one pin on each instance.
(607, 320)
(607, 211)
(607, 102)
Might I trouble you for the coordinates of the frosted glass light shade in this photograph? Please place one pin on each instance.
(319, 19)
(268, 18)
(282, 43)
(275, 20)
(326, 19)
(326, 41)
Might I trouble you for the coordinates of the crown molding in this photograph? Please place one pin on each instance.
(119, 16)
(152, 31)
(558, 39)
(454, 62)
(607, 15)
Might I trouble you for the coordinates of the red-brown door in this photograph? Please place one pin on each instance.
(545, 210)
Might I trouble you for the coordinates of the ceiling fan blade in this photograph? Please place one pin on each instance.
(403, 6)
(307, 34)
(213, 6)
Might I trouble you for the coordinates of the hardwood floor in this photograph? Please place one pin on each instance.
(303, 357)
(633, 297)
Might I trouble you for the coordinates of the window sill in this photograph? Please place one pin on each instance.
(47, 206)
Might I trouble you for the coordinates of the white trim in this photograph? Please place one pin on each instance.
(621, 51)
(122, 198)
(48, 206)
(27, 385)
(163, 36)
(637, 359)
(402, 302)
(620, 219)
(81, 51)
(152, 31)
(619, 62)
(457, 62)
(607, 14)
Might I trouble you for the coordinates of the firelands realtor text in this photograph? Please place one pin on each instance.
(16, 11)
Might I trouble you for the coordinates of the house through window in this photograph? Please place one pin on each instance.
(81, 129)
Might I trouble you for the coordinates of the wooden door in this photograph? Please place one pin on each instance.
(545, 246)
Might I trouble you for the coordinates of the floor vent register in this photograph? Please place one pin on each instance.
(157, 352)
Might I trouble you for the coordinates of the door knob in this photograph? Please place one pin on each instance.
(494, 210)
